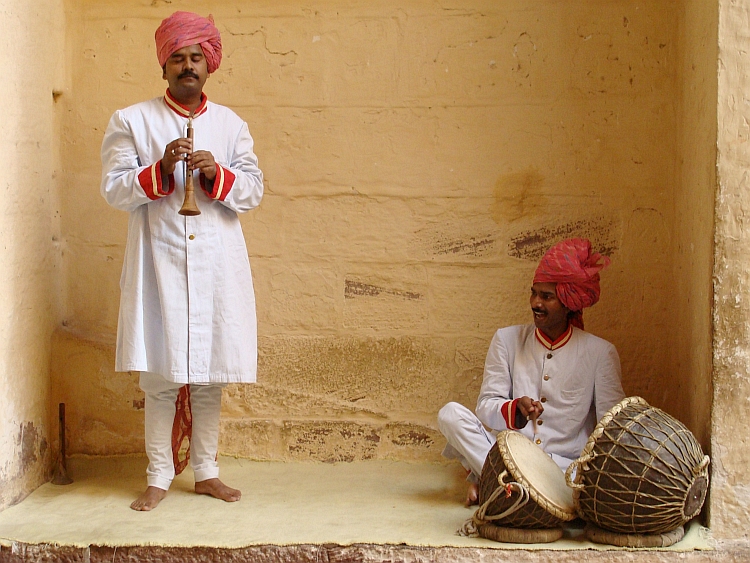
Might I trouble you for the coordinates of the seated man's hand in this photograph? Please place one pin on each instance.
(530, 408)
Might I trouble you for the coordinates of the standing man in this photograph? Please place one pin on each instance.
(187, 308)
(550, 372)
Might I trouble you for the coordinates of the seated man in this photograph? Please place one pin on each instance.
(551, 372)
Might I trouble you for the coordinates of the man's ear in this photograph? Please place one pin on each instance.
(164, 72)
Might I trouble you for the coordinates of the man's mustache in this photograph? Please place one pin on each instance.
(189, 73)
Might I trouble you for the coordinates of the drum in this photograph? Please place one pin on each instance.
(521, 487)
(641, 472)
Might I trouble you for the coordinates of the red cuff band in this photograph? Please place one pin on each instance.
(508, 410)
(150, 180)
(222, 184)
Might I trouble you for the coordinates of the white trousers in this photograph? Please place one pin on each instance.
(468, 440)
(205, 401)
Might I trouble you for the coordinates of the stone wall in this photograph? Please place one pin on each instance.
(689, 307)
(419, 158)
(730, 492)
(30, 266)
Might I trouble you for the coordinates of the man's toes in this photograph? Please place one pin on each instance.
(472, 495)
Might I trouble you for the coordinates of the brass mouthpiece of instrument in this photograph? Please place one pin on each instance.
(189, 205)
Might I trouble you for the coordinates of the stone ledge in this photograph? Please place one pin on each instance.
(726, 552)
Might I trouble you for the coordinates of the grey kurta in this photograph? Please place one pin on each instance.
(578, 383)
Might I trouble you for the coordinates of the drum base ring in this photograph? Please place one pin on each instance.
(597, 535)
(519, 535)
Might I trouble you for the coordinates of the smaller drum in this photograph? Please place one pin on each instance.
(641, 472)
(521, 488)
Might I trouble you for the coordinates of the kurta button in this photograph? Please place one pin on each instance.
(546, 378)
(543, 399)
(549, 356)
(540, 422)
(191, 237)
(538, 441)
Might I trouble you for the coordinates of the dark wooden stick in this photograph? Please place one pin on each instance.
(61, 472)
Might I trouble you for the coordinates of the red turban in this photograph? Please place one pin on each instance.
(575, 269)
(183, 29)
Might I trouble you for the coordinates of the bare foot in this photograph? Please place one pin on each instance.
(149, 499)
(217, 489)
(472, 495)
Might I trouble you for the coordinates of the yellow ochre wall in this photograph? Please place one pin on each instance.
(419, 158)
(689, 291)
(29, 240)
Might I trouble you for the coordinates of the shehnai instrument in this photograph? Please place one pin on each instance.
(189, 205)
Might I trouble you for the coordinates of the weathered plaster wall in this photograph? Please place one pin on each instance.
(32, 42)
(730, 500)
(419, 158)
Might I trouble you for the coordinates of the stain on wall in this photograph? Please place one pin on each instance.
(468, 247)
(461, 233)
(353, 289)
(531, 245)
(32, 445)
(32, 464)
(331, 442)
(519, 194)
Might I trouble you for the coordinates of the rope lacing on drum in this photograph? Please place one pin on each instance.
(641, 471)
(471, 526)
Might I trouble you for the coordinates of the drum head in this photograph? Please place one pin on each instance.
(532, 467)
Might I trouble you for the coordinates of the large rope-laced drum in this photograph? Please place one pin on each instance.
(642, 472)
(523, 497)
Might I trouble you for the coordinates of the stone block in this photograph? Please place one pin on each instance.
(296, 295)
(253, 439)
(104, 408)
(384, 375)
(331, 441)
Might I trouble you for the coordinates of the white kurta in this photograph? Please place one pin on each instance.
(577, 383)
(187, 306)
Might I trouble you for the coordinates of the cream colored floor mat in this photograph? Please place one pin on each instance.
(377, 502)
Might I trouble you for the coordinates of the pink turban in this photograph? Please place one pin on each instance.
(575, 269)
(183, 29)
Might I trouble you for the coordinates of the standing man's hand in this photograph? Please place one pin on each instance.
(203, 161)
(530, 408)
(175, 152)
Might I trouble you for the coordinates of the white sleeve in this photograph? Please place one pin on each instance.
(607, 385)
(497, 385)
(246, 189)
(121, 167)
